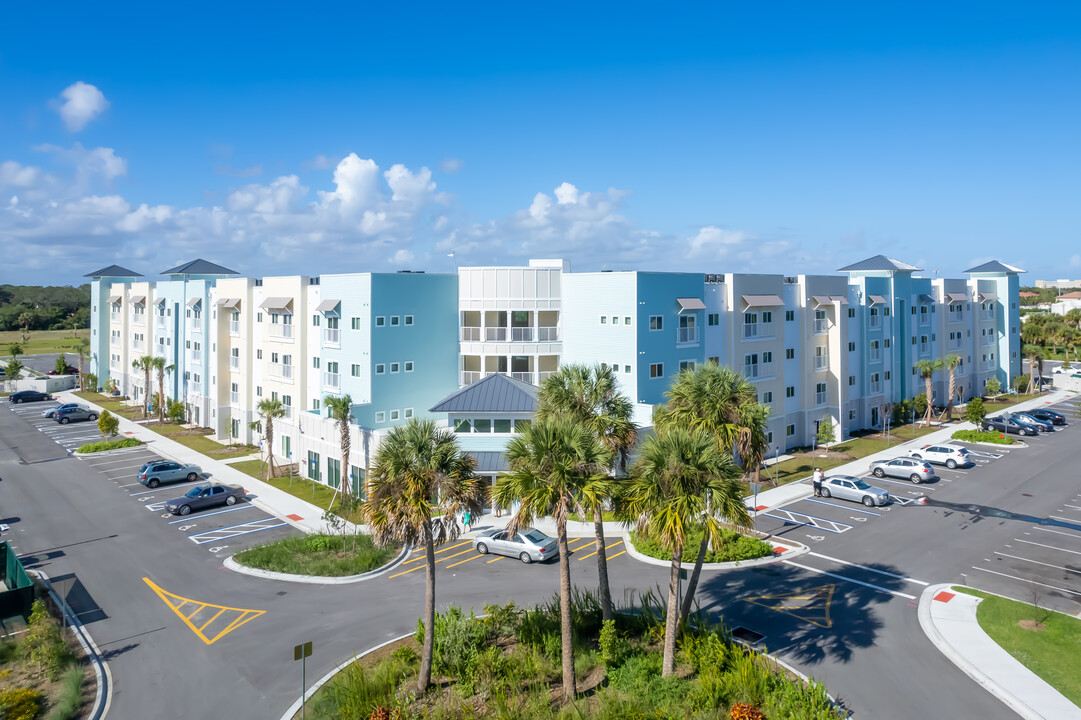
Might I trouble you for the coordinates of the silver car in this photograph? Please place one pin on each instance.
(528, 545)
(166, 471)
(846, 487)
(906, 468)
(945, 454)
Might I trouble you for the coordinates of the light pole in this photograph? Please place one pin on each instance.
(776, 454)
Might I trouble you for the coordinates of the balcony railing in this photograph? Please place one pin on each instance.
(471, 334)
(277, 330)
(925, 348)
(114, 317)
(234, 327)
(758, 370)
(332, 380)
(197, 358)
(495, 333)
(234, 398)
(282, 371)
(234, 363)
(925, 319)
(195, 327)
(287, 412)
(876, 321)
(332, 336)
(821, 398)
(875, 354)
(521, 334)
(957, 317)
(988, 339)
(523, 376)
(988, 314)
(955, 344)
(822, 326)
(688, 335)
(161, 322)
(876, 387)
(544, 375)
(471, 376)
(114, 341)
(195, 388)
(137, 344)
(822, 362)
(547, 334)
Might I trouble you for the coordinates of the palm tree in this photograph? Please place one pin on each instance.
(340, 409)
(1034, 355)
(15, 350)
(82, 349)
(591, 396)
(145, 364)
(270, 410)
(26, 320)
(926, 370)
(162, 368)
(418, 466)
(677, 471)
(951, 362)
(550, 463)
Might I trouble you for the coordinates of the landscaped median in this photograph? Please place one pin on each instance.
(981, 436)
(106, 445)
(318, 558)
(734, 550)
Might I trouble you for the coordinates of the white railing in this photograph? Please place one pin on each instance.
(523, 376)
(822, 362)
(821, 397)
(137, 344)
(925, 348)
(542, 376)
(161, 322)
(750, 370)
(470, 376)
(765, 369)
(287, 412)
(688, 335)
(331, 380)
(114, 341)
(196, 326)
(750, 330)
(955, 344)
(495, 333)
(876, 387)
(282, 371)
(876, 354)
(278, 330)
(761, 329)
(332, 336)
(521, 334)
(925, 319)
(234, 327)
(471, 334)
(988, 339)
(876, 321)
(547, 334)
(114, 317)
(197, 358)
(822, 326)
(988, 314)
(196, 388)
(234, 363)
(957, 317)
(234, 398)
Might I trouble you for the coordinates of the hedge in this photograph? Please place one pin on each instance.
(733, 546)
(980, 436)
(104, 445)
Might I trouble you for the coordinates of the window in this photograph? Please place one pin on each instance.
(258, 391)
(714, 319)
(627, 320)
(851, 414)
(886, 312)
(656, 322)
(887, 375)
(482, 425)
(790, 391)
(462, 425)
(615, 320)
(626, 368)
(408, 412)
(259, 317)
(354, 323)
(315, 363)
(522, 425)
(395, 320)
(315, 320)
(501, 426)
(315, 404)
(380, 321)
(394, 367)
(409, 366)
(380, 368)
(789, 430)
(851, 347)
(886, 342)
(767, 397)
(769, 438)
(409, 321)
(604, 319)
(851, 380)
(820, 393)
(790, 353)
(712, 358)
(790, 316)
(394, 414)
(656, 370)
(258, 354)
(354, 370)
(767, 316)
(686, 364)
(851, 312)
(688, 329)
(380, 417)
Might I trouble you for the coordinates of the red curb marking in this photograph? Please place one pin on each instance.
(778, 550)
(294, 517)
(762, 507)
(944, 596)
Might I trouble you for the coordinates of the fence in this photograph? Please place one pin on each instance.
(19, 596)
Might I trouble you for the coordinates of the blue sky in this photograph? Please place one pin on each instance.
(722, 137)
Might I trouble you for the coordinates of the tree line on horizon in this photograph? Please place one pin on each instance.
(49, 307)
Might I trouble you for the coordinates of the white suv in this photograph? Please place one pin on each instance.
(949, 455)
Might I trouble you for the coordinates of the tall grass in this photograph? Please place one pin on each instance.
(319, 555)
(70, 697)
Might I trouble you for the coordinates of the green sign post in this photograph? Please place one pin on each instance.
(301, 652)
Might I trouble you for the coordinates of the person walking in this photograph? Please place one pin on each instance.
(816, 482)
(467, 520)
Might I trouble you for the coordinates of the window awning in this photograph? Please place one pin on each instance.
(927, 300)
(988, 296)
(114, 299)
(138, 300)
(877, 300)
(194, 301)
(690, 304)
(160, 301)
(763, 301)
(329, 307)
(957, 297)
(839, 299)
(276, 303)
(228, 303)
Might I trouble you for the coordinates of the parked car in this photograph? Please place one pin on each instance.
(51, 412)
(1026, 419)
(949, 455)
(846, 487)
(202, 497)
(28, 396)
(75, 414)
(907, 468)
(1007, 425)
(528, 545)
(167, 471)
(69, 370)
(1048, 416)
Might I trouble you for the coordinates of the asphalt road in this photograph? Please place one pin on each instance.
(205, 642)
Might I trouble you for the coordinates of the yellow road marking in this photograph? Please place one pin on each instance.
(436, 552)
(816, 611)
(617, 542)
(493, 560)
(624, 552)
(463, 561)
(448, 557)
(175, 602)
(418, 567)
(576, 549)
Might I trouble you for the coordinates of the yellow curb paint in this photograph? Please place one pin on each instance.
(175, 602)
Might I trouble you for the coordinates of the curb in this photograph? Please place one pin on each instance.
(731, 565)
(105, 453)
(103, 696)
(236, 567)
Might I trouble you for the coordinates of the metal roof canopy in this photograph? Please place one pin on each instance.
(957, 297)
(989, 296)
(113, 271)
(928, 299)
(194, 301)
(877, 299)
(329, 306)
(494, 393)
(763, 301)
(690, 304)
(228, 303)
(276, 303)
(489, 461)
(160, 301)
(138, 300)
(114, 299)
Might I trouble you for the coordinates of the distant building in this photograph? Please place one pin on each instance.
(1059, 284)
(1065, 303)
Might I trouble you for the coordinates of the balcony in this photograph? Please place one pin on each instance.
(234, 327)
(137, 344)
(955, 344)
(283, 332)
(957, 317)
(526, 377)
(114, 341)
(497, 334)
(988, 314)
(195, 327)
(114, 317)
(287, 412)
(989, 339)
(821, 398)
(757, 330)
(758, 370)
(875, 322)
(925, 320)
(822, 362)
(547, 334)
(876, 387)
(471, 334)
(234, 363)
(521, 334)
(284, 372)
(687, 335)
(544, 375)
(332, 336)
(160, 322)
(332, 380)
(875, 355)
(925, 348)
(471, 376)
(822, 326)
(195, 388)
(234, 398)
(196, 358)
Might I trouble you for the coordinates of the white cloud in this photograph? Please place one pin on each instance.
(452, 165)
(320, 162)
(566, 194)
(79, 104)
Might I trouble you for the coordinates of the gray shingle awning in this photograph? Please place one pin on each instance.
(276, 303)
(877, 300)
(160, 301)
(690, 304)
(489, 461)
(138, 300)
(988, 296)
(763, 300)
(194, 301)
(839, 299)
(114, 299)
(927, 299)
(957, 297)
(228, 303)
(329, 306)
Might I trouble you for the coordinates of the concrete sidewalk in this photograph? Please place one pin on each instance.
(301, 514)
(949, 620)
(776, 497)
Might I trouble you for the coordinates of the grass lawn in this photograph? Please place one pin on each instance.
(315, 493)
(1053, 653)
(44, 341)
(113, 405)
(321, 555)
(199, 442)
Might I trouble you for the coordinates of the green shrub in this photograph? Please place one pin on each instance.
(318, 543)
(919, 404)
(332, 556)
(1021, 382)
(19, 704)
(108, 424)
(902, 412)
(994, 387)
(734, 546)
(981, 436)
(175, 412)
(611, 645)
(975, 411)
(43, 645)
(355, 692)
(104, 445)
(70, 696)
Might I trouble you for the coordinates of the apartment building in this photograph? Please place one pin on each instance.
(842, 346)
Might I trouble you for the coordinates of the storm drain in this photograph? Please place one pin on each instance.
(747, 636)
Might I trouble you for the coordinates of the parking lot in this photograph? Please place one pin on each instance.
(221, 531)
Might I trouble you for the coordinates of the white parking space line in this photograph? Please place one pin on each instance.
(946, 469)
(1067, 520)
(155, 506)
(1049, 547)
(1058, 532)
(235, 530)
(844, 507)
(1072, 507)
(870, 569)
(851, 580)
(189, 518)
(1037, 562)
(165, 487)
(1032, 582)
(908, 485)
